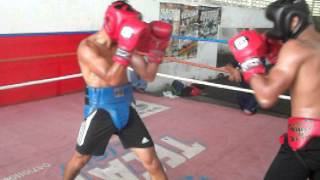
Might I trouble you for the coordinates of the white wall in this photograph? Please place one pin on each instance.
(237, 17)
(231, 18)
(149, 8)
(40, 16)
(206, 54)
(32, 16)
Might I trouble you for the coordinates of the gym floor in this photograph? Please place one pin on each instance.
(195, 140)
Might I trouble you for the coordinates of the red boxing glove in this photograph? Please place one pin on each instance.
(274, 47)
(248, 48)
(130, 34)
(157, 42)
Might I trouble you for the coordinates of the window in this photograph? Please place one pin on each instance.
(313, 4)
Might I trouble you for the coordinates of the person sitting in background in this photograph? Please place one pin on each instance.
(246, 101)
(136, 81)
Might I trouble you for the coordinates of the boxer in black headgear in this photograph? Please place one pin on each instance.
(297, 70)
(282, 12)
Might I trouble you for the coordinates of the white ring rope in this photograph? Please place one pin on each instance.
(221, 86)
(30, 83)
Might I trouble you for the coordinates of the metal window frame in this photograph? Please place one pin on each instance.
(313, 4)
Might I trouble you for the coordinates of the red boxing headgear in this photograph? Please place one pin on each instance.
(116, 14)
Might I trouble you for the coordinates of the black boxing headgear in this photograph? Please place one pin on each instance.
(281, 13)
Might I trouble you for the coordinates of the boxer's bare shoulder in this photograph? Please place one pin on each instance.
(288, 52)
(90, 48)
(85, 51)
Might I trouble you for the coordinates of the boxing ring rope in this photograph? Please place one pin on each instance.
(42, 81)
(170, 59)
(221, 86)
(46, 56)
(233, 88)
(191, 38)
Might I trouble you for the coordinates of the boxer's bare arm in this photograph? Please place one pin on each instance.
(154, 48)
(280, 78)
(146, 71)
(97, 64)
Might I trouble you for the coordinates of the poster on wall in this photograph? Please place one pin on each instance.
(189, 21)
(171, 13)
(189, 27)
(209, 20)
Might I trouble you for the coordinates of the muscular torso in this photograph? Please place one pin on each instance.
(103, 53)
(305, 91)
